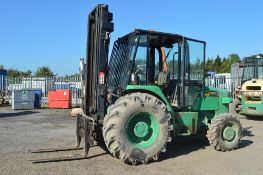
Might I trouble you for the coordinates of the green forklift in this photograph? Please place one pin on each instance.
(249, 96)
(149, 91)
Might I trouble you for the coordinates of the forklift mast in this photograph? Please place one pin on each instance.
(99, 29)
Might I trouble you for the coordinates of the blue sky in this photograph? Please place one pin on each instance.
(35, 33)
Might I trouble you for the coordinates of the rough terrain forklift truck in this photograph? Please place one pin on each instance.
(249, 96)
(151, 90)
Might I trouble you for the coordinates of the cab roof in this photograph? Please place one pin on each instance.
(161, 34)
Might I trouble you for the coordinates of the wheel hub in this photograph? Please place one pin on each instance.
(229, 133)
(141, 129)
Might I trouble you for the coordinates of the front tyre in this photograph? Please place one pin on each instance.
(224, 132)
(137, 128)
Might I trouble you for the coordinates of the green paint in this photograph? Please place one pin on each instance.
(142, 130)
(213, 99)
(229, 133)
(152, 89)
(222, 107)
(206, 103)
(186, 122)
(204, 116)
(254, 108)
(227, 100)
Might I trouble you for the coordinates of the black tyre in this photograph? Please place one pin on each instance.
(137, 128)
(224, 132)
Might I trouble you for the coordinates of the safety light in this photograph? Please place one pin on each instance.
(101, 78)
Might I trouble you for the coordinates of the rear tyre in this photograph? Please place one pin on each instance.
(137, 128)
(224, 132)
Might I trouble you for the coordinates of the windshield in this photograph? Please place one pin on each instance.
(253, 69)
(156, 54)
(195, 58)
(140, 60)
(260, 68)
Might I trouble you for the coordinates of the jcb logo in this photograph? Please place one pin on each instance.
(210, 93)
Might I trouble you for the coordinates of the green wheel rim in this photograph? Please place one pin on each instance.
(142, 130)
(229, 133)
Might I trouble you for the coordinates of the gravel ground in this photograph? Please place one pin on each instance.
(24, 130)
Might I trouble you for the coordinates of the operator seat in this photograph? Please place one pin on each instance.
(163, 81)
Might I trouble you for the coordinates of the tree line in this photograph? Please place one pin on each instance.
(221, 65)
(43, 71)
(218, 65)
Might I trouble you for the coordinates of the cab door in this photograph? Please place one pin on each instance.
(192, 69)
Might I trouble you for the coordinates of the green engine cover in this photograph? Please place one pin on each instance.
(213, 99)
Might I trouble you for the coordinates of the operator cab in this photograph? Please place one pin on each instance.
(253, 68)
(170, 61)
